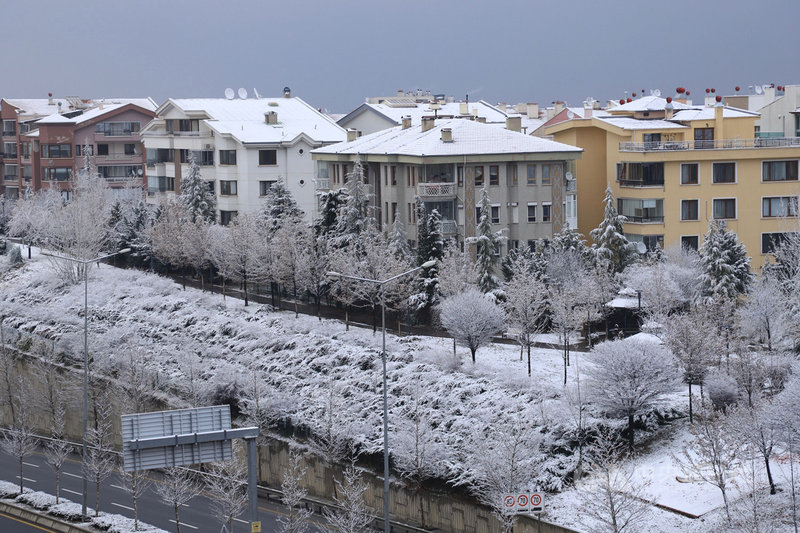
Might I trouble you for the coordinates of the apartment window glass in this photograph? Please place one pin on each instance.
(478, 176)
(550, 172)
(725, 208)
(689, 173)
(25, 147)
(57, 174)
(10, 150)
(119, 172)
(130, 149)
(689, 210)
(118, 129)
(690, 242)
(771, 241)
(228, 157)
(531, 174)
(703, 138)
(494, 175)
(394, 175)
(226, 217)
(79, 148)
(512, 179)
(724, 172)
(641, 210)
(460, 175)
(263, 187)
(27, 172)
(531, 212)
(394, 211)
(546, 209)
(514, 214)
(495, 214)
(779, 170)
(56, 150)
(227, 187)
(779, 206)
(267, 157)
(9, 128)
(102, 149)
(10, 172)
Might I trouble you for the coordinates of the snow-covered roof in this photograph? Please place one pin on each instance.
(648, 103)
(396, 114)
(707, 113)
(628, 123)
(580, 112)
(469, 137)
(40, 107)
(244, 119)
(86, 116)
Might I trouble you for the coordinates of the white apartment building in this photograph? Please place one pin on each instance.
(242, 146)
(446, 163)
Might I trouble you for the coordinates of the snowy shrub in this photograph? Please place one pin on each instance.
(722, 390)
(14, 256)
(9, 490)
(69, 511)
(37, 500)
(114, 523)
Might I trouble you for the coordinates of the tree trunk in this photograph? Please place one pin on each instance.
(20, 475)
(691, 420)
(183, 276)
(246, 300)
(97, 496)
(58, 484)
(374, 320)
(454, 346)
(630, 433)
(177, 521)
(347, 318)
(29, 249)
(529, 359)
(399, 322)
(473, 350)
(769, 475)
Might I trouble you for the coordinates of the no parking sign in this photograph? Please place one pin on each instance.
(520, 502)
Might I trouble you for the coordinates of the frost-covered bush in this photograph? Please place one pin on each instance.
(9, 490)
(722, 390)
(14, 256)
(114, 523)
(69, 511)
(37, 500)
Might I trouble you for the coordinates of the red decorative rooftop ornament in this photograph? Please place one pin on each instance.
(621, 101)
(713, 90)
(737, 88)
(719, 98)
(708, 90)
(688, 93)
(680, 90)
(634, 95)
(630, 100)
(50, 95)
(669, 99)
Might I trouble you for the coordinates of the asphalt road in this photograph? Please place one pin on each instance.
(10, 524)
(195, 517)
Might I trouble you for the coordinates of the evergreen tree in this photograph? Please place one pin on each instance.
(331, 203)
(524, 260)
(487, 244)
(398, 241)
(724, 263)
(570, 239)
(279, 205)
(195, 195)
(609, 237)
(353, 215)
(430, 246)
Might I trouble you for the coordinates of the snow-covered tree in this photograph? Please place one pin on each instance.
(101, 459)
(398, 239)
(136, 484)
(785, 415)
(524, 260)
(226, 486)
(763, 315)
(331, 203)
(279, 207)
(19, 441)
(178, 487)
(724, 263)
(471, 319)
(456, 272)
(293, 493)
(526, 308)
(196, 197)
(313, 266)
(352, 514)
(757, 428)
(354, 215)
(630, 378)
(570, 239)
(287, 255)
(243, 255)
(487, 244)
(430, 246)
(609, 237)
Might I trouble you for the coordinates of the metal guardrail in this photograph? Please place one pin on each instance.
(449, 227)
(639, 183)
(720, 144)
(322, 184)
(645, 220)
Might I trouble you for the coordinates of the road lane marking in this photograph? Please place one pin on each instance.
(123, 506)
(72, 475)
(242, 521)
(73, 492)
(31, 524)
(118, 487)
(27, 479)
(30, 464)
(185, 524)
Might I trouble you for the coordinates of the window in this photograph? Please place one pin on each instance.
(703, 138)
(227, 187)
(551, 172)
(57, 174)
(56, 150)
(725, 208)
(394, 211)
(771, 241)
(226, 217)
(478, 176)
(263, 187)
(210, 186)
(514, 214)
(79, 149)
(494, 175)
(10, 150)
(227, 157)
(640, 174)
(531, 174)
(779, 171)
(119, 172)
(27, 172)
(511, 175)
(9, 128)
(460, 174)
(546, 208)
(102, 149)
(394, 175)
(10, 172)
(645, 211)
(118, 129)
(689, 173)
(690, 242)
(130, 149)
(25, 147)
(779, 206)
(724, 172)
(689, 210)
(531, 212)
(203, 158)
(495, 214)
(267, 157)
(649, 241)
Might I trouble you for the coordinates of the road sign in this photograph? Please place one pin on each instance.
(255, 527)
(521, 502)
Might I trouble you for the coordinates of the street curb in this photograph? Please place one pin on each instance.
(41, 520)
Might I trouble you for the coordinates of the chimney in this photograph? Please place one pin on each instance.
(769, 94)
(668, 111)
(352, 134)
(400, 92)
(271, 117)
(587, 110)
(558, 107)
(50, 99)
(406, 122)
(533, 110)
(719, 131)
(463, 108)
(447, 135)
(514, 123)
(482, 120)
(427, 123)
(287, 92)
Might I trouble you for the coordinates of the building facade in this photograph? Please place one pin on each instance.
(673, 167)
(446, 163)
(242, 147)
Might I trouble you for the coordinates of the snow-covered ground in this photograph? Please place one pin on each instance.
(304, 363)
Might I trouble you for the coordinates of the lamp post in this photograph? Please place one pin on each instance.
(85, 263)
(380, 284)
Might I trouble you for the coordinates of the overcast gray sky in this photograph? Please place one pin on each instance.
(333, 53)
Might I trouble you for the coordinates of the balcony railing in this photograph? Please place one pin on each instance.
(721, 144)
(118, 157)
(449, 227)
(322, 184)
(645, 220)
(436, 190)
(9, 133)
(10, 177)
(640, 183)
(572, 186)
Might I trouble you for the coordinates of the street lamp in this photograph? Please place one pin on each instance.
(85, 263)
(380, 284)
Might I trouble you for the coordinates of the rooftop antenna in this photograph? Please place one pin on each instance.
(255, 92)
(759, 89)
(656, 92)
(229, 93)
(242, 93)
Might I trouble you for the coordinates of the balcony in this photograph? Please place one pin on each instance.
(449, 227)
(10, 177)
(644, 220)
(572, 186)
(322, 184)
(640, 183)
(721, 144)
(436, 190)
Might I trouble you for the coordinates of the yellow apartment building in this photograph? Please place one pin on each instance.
(673, 167)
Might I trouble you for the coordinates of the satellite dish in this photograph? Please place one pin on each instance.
(139, 172)
(255, 92)
(656, 92)
(759, 89)
(229, 93)
(242, 93)
(641, 248)
(570, 115)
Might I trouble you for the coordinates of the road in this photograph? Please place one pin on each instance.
(195, 517)
(10, 524)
